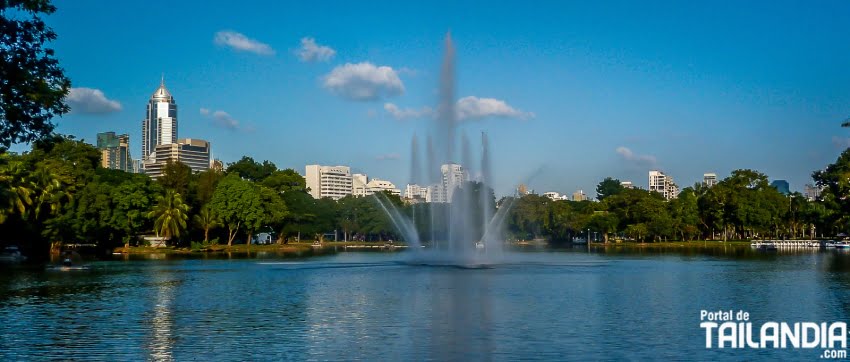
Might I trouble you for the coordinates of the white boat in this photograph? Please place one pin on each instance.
(579, 241)
(479, 245)
(830, 244)
(842, 245)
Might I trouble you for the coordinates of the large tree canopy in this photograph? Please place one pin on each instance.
(32, 84)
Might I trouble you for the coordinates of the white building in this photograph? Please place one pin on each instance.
(160, 124)
(358, 184)
(709, 179)
(663, 184)
(328, 181)
(453, 176)
(555, 196)
(377, 185)
(627, 185)
(418, 193)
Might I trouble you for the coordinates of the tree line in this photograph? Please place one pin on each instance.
(58, 193)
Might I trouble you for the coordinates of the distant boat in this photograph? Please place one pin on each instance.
(830, 244)
(479, 245)
(842, 245)
(579, 241)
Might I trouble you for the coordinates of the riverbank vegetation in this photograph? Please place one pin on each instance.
(57, 193)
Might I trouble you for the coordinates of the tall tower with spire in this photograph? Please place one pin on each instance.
(160, 124)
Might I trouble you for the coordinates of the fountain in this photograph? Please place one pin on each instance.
(467, 229)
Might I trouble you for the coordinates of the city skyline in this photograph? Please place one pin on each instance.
(590, 100)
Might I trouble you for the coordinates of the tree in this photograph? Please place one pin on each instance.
(608, 187)
(15, 189)
(32, 84)
(206, 219)
(251, 170)
(176, 176)
(685, 214)
(170, 215)
(285, 181)
(237, 203)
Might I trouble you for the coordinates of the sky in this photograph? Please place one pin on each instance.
(567, 92)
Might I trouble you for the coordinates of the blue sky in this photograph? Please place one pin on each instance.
(568, 92)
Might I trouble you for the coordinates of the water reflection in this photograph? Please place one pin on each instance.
(160, 321)
(368, 306)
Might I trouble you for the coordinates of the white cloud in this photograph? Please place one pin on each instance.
(90, 101)
(240, 42)
(222, 119)
(646, 161)
(363, 81)
(470, 108)
(312, 52)
(407, 113)
(388, 157)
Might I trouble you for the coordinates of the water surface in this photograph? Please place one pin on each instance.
(549, 305)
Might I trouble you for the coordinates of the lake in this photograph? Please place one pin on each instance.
(542, 305)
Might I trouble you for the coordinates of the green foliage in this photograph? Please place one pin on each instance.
(237, 202)
(608, 187)
(32, 84)
(170, 215)
(251, 170)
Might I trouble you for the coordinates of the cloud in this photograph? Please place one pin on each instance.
(407, 113)
(90, 101)
(646, 161)
(312, 52)
(388, 157)
(223, 119)
(240, 42)
(363, 82)
(471, 108)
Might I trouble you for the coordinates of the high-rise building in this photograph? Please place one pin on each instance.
(358, 184)
(160, 124)
(194, 153)
(115, 151)
(812, 192)
(781, 186)
(328, 181)
(709, 179)
(663, 184)
(579, 196)
(453, 177)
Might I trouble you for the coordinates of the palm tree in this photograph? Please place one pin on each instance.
(170, 215)
(15, 190)
(49, 192)
(206, 219)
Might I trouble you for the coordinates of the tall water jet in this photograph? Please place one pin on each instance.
(465, 225)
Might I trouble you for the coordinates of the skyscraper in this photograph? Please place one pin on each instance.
(160, 124)
(115, 151)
